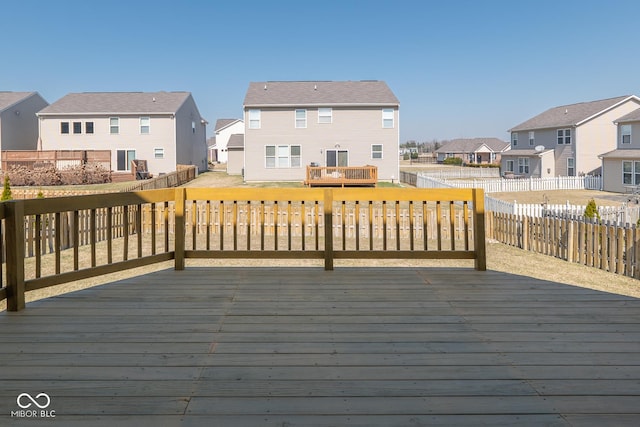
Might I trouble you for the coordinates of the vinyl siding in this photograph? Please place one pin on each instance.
(354, 130)
(598, 136)
(20, 131)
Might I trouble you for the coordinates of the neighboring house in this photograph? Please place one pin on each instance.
(18, 121)
(163, 128)
(621, 167)
(218, 144)
(474, 150)
(235, 148)
(566, 140)
(290, 125)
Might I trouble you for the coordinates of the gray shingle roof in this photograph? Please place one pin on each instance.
(223, 123)
(531, 152)
(621, 154)
(570, 115)
(117, 102)
(320, 93)
(469, 145)
(9, 99)
(633, 116)
(236, 141)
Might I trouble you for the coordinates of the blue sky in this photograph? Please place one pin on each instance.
(459, 68)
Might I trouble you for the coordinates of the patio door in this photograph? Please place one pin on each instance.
(337, 158)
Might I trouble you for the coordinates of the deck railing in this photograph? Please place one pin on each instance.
(147, 227)
(342, 176)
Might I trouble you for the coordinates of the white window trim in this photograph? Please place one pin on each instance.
(635, 172)
(507, 167)
(385, 117)
(127, 162)
(328, 112)
(523, 165)
(381, 151)
(157, 150)
(276, 157)
(563, 135)
(68, 128)
(117, 126)
(532, 137)
(303, 120)
(254, 118)
(148, 125)
(623, 133)
(514, 138)
(73, 128)
(569, 167)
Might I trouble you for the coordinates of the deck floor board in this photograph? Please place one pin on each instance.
(307, 347)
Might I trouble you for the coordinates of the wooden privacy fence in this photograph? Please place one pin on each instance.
(604, 245)
(97, 234)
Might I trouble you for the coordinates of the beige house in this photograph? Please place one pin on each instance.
(290, 125)
(218, 144)
(621, 167)
(566, 140)
(473, 150)
(163, 128)
(235, 150)
(18, 121)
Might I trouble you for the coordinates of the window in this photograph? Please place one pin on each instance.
(124, 158)
(571, 166)
(325, 115)
(514, 139)
(145, 125)
(254, 119)
(523, 165)
(564, 136)
(376, 151)
(88, 127)
(301, 119)
(158, 153)
(114, 126)
(64, 127)
(625, 134)
(630, 173)
(509, 165)
(338, 158)
(387, 118)
(193, 126)
(532, 137)
(282, 156)
(77, 127)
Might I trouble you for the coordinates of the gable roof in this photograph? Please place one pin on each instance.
(633, 116)
(223, 123)
(572, 114)
(469, 145)
(9, 99)
(320, 93)
(118, 102)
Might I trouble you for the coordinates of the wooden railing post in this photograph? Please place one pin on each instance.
(328, 229)
(179, 240)
(479, 232)
(14, 227)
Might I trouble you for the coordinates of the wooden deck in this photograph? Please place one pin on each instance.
(308, 347)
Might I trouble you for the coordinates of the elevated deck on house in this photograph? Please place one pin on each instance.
(352, 176)
(304, 346)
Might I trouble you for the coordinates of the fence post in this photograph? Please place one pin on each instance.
(179, 228)
(480, 243)
(328, 229)
(14, 229)
(570, 240)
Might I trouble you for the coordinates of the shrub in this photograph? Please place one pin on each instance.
(591, 211)
(453, 161)
(6, 192)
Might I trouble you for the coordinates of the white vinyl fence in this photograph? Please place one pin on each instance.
(501, 185)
